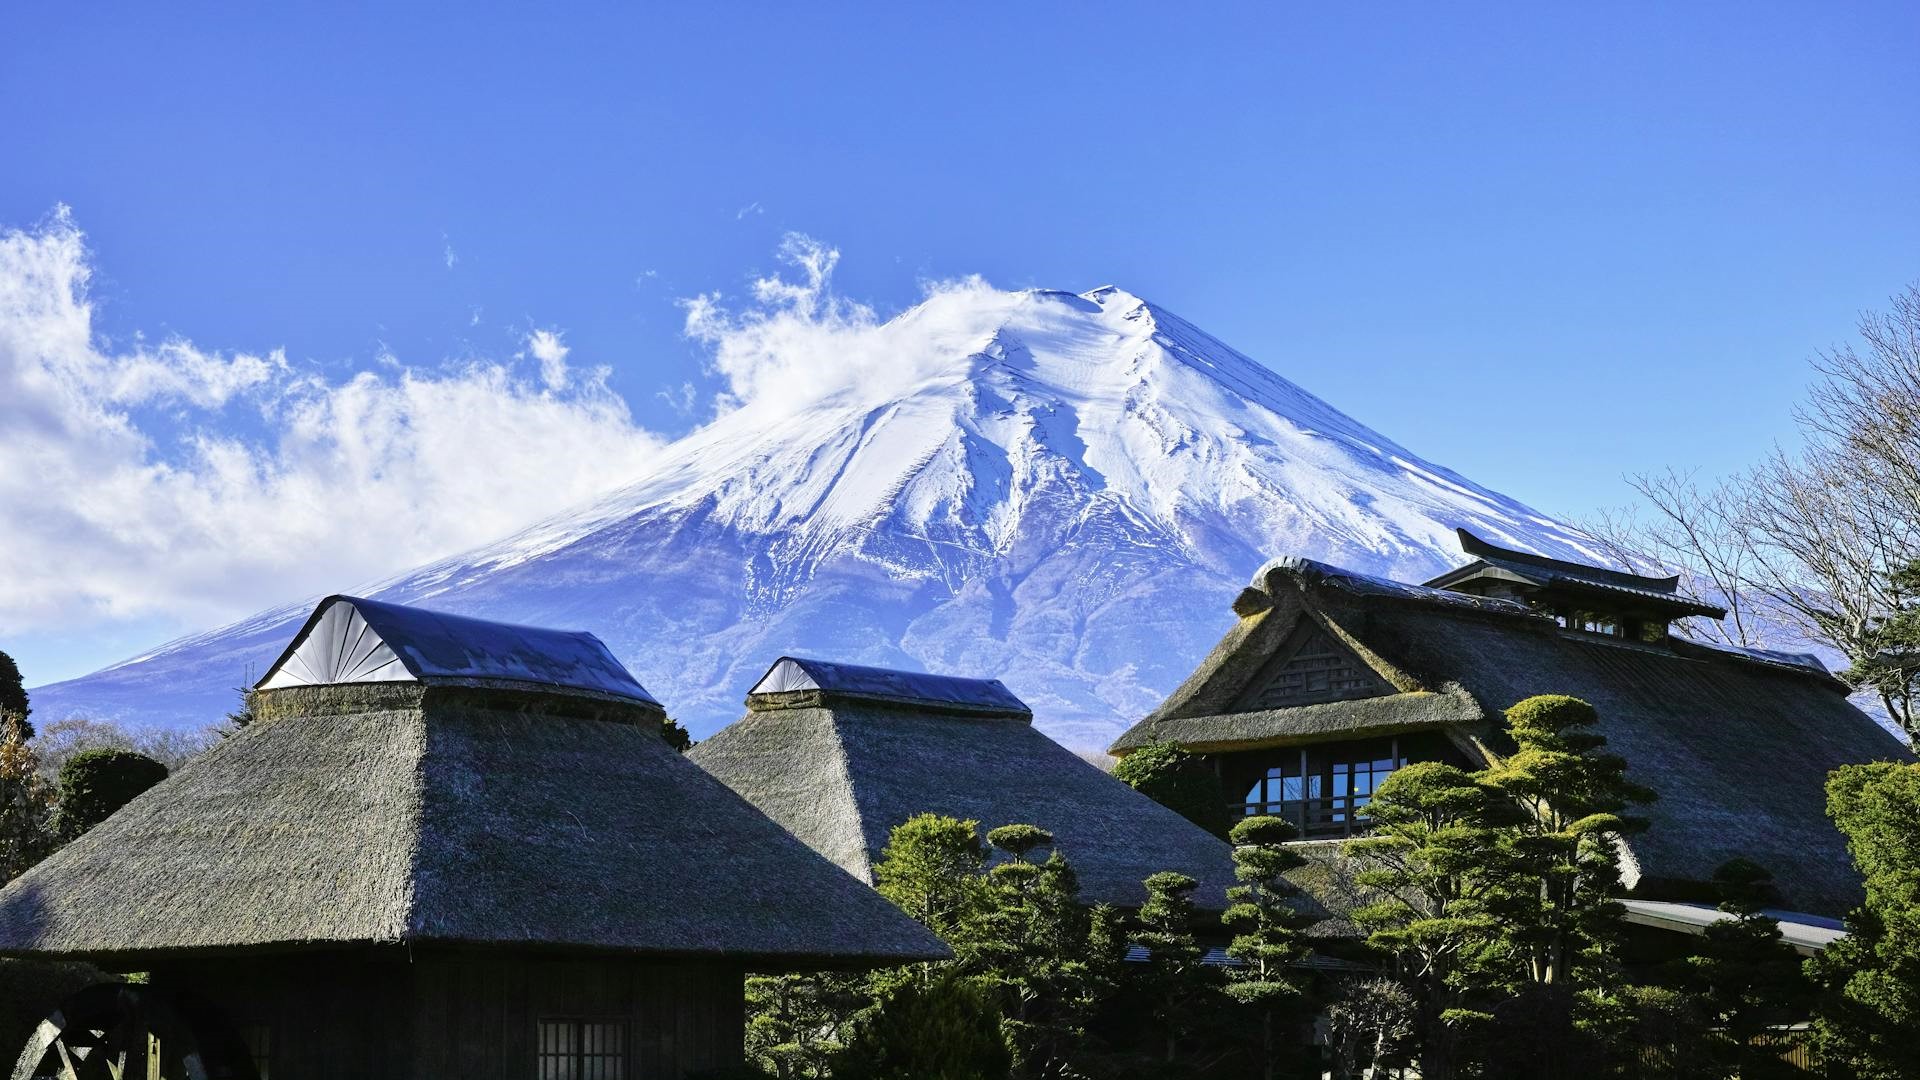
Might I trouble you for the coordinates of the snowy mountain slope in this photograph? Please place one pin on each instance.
(1060, 491)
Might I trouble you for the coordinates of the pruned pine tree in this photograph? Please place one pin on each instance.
(1173, 979)
(931, 869)
(1442, 868)
(1268, 943)
(798, 1024)
(1032, 947)
(1575, 797)
(1747, 981)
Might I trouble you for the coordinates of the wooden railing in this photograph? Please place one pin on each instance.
(1328, 818)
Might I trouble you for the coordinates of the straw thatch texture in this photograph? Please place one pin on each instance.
(1737, 746)
(404, 814)
(1387, 714)
(841, 775)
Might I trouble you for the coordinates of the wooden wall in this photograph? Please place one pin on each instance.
(471, 1016)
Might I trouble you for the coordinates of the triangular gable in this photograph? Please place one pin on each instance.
(338, 646)
(1311, 666)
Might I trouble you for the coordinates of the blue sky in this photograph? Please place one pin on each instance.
(1541, 244)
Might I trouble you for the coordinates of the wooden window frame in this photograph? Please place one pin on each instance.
(574, 1061)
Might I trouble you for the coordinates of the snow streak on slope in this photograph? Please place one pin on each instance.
(1060, 491)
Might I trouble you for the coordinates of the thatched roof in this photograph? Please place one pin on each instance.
(437, 813)
(841, 770)
(351, 640)
(1737, 743)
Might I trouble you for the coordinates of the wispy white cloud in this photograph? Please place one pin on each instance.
(198, 484)
(551, 352)
(751, 208)
(796, 341)
(680, 399)
(447, 253)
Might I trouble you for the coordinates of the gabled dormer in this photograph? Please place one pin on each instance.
(1590, 599)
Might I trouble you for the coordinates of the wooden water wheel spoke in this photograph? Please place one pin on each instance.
(119, 1031)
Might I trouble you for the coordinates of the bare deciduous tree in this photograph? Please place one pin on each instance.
(1822, 539)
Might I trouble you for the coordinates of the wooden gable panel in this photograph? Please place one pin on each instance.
(1312, 666)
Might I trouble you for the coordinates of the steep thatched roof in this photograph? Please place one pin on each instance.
(422, 813)
(1738, 744)
(840, 770)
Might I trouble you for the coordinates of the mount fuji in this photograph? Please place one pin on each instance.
(1061, 491)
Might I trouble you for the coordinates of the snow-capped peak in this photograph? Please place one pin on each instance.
(1060, 490)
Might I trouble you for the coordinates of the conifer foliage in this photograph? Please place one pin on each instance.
(1576, 798)
(1869, 982)
(1268, 945)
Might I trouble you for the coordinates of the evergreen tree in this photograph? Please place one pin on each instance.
(1575, 796)
(1888, 658)
(947, 1029)
(1175, 982)
(26, 805)
(1178, 781)
(1269, 942)
(1371, 1028)
(238, 719)
(1439, 864)
(1747, 980)
(1032, 946)
(95, 783)
(1868, 1011)
(798, 1024)
(931, 869)
(14, 706)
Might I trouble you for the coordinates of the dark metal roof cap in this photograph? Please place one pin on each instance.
(348, 639)
(806, 676)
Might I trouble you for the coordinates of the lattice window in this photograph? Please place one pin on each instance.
(583, 1050)
(1319, 668)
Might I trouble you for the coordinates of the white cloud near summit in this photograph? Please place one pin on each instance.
(798, 341)
(140, 479)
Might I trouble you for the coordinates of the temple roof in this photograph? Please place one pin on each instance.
(1540, 572)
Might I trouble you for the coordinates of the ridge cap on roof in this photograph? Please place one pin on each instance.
(832, 679)
(1311, 572)
(394, 624)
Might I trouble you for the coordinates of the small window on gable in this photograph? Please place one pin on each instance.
(583, 1050)
(1319, 669)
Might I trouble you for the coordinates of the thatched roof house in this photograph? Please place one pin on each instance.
(487, 815)
(841, 754)
(1330, 680)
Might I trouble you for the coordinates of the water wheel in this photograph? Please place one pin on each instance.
(122, 1031)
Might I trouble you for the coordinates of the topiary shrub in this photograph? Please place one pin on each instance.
(1178, 781)
(946, 1029)
(95, 783)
